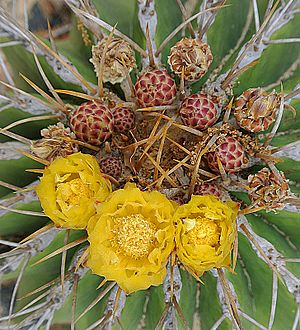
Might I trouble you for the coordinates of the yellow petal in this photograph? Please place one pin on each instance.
(205, 232)
(70, 189)
(120, 245)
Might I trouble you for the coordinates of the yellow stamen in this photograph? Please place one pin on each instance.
(202, 231)
(134, 236)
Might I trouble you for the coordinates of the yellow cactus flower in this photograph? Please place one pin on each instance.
(205, 233)
(70, 189)
(131, 237)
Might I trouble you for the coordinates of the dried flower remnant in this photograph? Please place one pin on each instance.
(205, 233)
(131, 237)
(255, 110)
(70, 189)
(56, 142)
(191, 55)
(268, 190)
(118, 58)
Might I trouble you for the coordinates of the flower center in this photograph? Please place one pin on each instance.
(202, 231)
(73, 191)
(134, 235)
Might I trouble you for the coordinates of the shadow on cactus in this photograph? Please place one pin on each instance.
(167, 182)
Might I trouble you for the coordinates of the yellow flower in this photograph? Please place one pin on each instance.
(131, 237)
(205, 233)
(70, 188)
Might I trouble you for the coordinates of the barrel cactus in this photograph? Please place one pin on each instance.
(150, 167)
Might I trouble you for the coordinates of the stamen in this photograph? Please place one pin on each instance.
(134, 236)
(202, 231)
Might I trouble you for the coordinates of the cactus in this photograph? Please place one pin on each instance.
(206, 216)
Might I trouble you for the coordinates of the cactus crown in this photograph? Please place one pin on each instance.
(166, 164)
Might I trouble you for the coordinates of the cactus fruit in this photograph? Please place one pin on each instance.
(111, 166)
(199, 111)
(124, 119)
(92, 122)
(231, 154)
(208, 188)
(155, 88)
